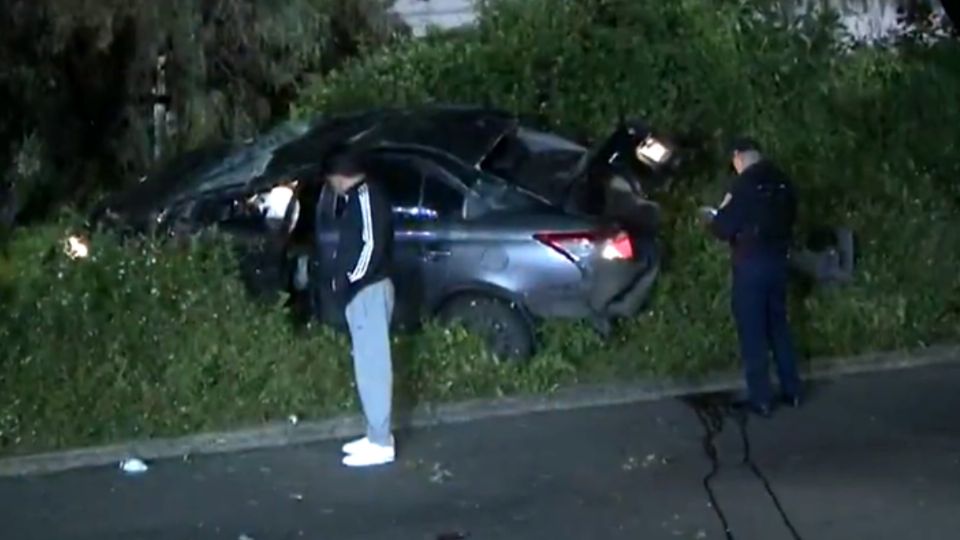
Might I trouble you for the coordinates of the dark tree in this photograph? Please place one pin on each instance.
(82, 108)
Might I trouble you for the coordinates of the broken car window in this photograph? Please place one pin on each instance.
(400, 177)
(439, 193)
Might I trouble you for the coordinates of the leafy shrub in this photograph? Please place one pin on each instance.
(868, 133)
(144, 340)
(147, 340)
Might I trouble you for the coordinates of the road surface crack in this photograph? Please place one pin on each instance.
(712, 410)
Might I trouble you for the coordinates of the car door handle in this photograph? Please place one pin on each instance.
(433, 253)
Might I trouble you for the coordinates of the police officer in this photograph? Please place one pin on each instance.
(756, 218)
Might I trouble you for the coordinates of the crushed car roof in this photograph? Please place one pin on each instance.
(466, 133)
(296, 149)
(463, 132)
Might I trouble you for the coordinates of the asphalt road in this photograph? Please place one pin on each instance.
(870, 457)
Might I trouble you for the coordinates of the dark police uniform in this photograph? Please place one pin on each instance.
(758, 223)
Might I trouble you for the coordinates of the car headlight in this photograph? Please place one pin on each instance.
(653, 151)
(76, 247)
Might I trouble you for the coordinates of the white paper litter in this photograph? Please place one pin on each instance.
(133, 466)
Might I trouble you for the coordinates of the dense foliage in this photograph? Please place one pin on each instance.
(868, 133)
(146, 339)
(149, 340)
(80, 80)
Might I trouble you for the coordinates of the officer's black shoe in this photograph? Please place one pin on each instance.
(762, 410)
(792, 401)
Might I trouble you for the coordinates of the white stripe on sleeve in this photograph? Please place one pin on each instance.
(363, 262)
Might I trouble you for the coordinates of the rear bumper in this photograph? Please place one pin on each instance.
(613, 290)
(621, 291)
(632, 299)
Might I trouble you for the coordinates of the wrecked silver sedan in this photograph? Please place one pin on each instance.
(499, 225)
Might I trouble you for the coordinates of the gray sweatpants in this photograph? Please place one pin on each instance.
(368, 316)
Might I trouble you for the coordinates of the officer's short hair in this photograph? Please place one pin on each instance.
(743, 144)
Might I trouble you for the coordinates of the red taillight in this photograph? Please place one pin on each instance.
(619, 247)
(573, 245)
(582, 244)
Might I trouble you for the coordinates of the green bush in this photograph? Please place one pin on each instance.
(144, 340)
(867, 133)
(147, 340)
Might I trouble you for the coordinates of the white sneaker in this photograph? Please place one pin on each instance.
(369, 454)
(360, 445)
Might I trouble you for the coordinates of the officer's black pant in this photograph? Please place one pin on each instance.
(760, 312)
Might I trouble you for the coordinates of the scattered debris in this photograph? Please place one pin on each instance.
(133, 466)
(652, 458)
(649, 460)
(293, 419)
(440, 475)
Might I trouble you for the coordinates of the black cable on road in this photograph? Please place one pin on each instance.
(711, 418)
(711, 411)
(748, 461)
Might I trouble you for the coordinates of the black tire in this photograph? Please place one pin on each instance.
(502, 325)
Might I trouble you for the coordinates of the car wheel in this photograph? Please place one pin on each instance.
(501, 324)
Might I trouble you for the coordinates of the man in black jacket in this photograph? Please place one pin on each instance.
(757, 218)
(361, 279)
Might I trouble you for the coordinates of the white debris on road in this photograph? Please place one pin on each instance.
(133, 466)
(440, 475)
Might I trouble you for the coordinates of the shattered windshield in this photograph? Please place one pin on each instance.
(251, 160)
(211, 168)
